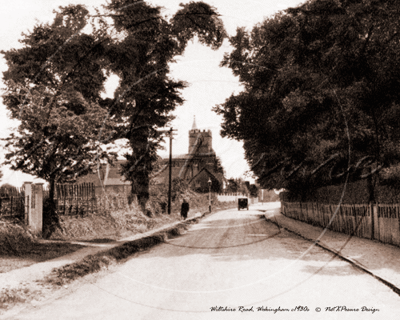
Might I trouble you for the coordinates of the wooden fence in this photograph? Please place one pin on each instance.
(75, 199)
(387, 223)
(12, 203)
(229, 197)
(81, 199)
(379, 221)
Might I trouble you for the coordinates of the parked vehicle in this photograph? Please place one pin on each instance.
(243, 203)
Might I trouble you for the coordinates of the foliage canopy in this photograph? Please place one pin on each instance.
(321, 94)
(54, 85)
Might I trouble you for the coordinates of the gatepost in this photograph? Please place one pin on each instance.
(28, 197)
(34, 206)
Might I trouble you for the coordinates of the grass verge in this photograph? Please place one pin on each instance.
(34, 253)
(89, 265)
(103, 260)
(14, 237)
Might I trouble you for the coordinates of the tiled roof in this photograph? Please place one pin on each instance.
(215, 176)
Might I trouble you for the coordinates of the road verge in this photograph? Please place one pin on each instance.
(40, 289)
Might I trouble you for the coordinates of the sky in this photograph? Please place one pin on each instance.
(209, 84)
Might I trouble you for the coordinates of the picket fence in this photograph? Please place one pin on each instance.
(387, 226)
(74, 199)
(85, 198)
(372, 221)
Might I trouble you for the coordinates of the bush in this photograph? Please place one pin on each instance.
(14, 238)
(111, 201)
(9, 190)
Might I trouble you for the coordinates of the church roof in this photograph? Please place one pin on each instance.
(216, 176)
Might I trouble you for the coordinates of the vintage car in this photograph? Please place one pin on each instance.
(243, 203)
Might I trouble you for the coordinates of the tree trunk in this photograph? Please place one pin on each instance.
(139, 166)
(140, 190)
(51, 220)
(371, 182)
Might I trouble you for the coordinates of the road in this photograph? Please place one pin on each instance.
(229, 260)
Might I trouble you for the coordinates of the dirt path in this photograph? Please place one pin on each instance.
(230, 259)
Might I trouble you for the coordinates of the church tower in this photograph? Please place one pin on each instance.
(200, 141)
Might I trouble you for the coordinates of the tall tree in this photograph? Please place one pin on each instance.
(322, 79)
(54, 84)
(147, 44)
(52, 87)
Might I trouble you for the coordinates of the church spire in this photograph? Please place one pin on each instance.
(194, 126)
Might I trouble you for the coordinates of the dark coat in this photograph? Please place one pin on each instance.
(184, 209)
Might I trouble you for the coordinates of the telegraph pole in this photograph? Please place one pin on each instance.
(170, 169)
(170, 132)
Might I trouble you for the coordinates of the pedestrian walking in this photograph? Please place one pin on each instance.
(184, 209)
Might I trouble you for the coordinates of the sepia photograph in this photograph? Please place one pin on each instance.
(211, 159)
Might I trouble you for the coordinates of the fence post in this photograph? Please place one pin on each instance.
(374, 222)
(28, 197)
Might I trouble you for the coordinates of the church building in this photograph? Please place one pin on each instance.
(199, 166)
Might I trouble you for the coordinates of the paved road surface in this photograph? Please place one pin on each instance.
(230, 259)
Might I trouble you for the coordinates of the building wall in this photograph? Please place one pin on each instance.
(186, 168)
(176, 173)
(202, 137)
